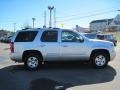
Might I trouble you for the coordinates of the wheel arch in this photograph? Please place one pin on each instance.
(100, 50)
(27, 52)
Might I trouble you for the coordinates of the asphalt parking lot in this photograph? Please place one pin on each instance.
(58, 76)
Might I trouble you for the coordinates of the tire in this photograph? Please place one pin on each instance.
(32, 62)
(100, 60)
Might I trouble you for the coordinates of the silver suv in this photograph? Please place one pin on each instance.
(35, 46)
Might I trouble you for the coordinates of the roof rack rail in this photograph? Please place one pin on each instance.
(38, 28)
(56, 28)
(26, 28)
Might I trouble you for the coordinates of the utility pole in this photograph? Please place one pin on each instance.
(44, 26)
(14, 27)
(33, 22)
(54, 17)
(106, 29)
(50, 8)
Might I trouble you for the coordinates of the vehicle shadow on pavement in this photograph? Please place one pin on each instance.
(56, 76)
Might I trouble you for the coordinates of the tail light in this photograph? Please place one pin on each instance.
(12, 47)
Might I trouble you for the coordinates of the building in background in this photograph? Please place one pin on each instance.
(105, 25)
(81, 29)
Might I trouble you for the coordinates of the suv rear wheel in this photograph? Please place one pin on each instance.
(100, 60)
(32, 62)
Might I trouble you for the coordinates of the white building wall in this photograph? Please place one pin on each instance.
(100, 26)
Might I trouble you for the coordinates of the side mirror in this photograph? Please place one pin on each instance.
(81, 39)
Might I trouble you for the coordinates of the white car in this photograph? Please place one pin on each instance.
(34, 46)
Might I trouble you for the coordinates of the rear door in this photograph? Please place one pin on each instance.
(50, 45)
(23, 40)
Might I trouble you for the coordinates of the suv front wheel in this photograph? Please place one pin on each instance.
(32, 62)
(100, 60)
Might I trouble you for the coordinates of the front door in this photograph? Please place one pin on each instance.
(71, 48)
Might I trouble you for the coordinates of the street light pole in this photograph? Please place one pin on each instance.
(44, 26)
(50, 8)
(54, 17)
(33, 21)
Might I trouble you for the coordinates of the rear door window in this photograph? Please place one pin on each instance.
(49, 36)
(27, 36)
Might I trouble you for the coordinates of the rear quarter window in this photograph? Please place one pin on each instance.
(27, 36)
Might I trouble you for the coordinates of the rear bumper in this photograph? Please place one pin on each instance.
(16, 57)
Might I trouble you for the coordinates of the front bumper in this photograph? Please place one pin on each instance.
(112, 54)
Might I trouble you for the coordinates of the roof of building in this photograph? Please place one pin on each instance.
(102, 20)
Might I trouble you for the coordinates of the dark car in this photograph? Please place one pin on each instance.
(90, 35)
(6, 39)
(107, 37)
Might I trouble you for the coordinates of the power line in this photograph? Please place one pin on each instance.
(69, 16)
(77, 18)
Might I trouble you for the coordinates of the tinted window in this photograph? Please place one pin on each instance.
(69, 36)
(49, 36)
(27, 36)
(100, 37)
(90, 36)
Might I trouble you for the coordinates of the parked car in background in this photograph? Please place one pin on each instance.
(107, 37)
(2, 39)
(8, 39)
(5, 39)
(90, 35)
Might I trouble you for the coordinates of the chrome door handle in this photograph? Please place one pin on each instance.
(42, 45)
(64, 46)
